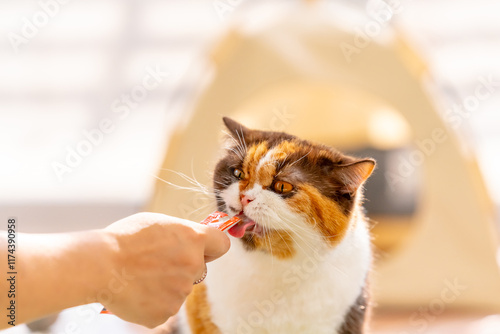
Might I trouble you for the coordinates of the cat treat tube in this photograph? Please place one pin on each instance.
(220, 220)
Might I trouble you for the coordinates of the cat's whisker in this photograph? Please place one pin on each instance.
(297, 244)
(221, 183)
(280, 164)
(268, 163)
(239, 146)
(202, 207)
(285, 242)
(313, 251)
(193, 181)
(308, 243)
(305, 155)
(193, 189)
(266, 240)
(242, 139)
(309, 246)
(298, 226)
(237, 152)
(189, 179)
(308, 231)
(282, 226)
(285, 227)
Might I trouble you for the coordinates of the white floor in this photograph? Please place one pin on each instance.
(85, 320)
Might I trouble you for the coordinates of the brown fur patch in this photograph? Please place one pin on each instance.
(198, 312)
(323, 213)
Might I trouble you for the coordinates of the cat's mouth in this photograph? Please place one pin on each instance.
(246, 225)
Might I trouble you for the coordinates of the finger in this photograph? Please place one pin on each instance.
(217, 243)
(210, 258)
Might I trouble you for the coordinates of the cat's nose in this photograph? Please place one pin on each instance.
(245, 200)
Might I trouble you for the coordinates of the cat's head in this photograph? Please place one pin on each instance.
(287, 190)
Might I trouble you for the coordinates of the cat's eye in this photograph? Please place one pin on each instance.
(239, 174)
(282, 187)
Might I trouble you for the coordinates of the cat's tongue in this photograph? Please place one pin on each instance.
(239, 229)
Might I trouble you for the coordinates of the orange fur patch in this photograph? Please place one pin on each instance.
(285, 148)
(278, 243)
(322, 213)
(266, 174)
(198, 311)
(254, 154)
(277, 155)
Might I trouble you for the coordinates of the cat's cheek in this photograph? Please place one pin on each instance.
(271, 210)
(231, 196)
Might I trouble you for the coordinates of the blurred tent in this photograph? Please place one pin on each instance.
(289, 72)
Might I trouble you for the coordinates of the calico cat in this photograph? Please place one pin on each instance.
(300, 258)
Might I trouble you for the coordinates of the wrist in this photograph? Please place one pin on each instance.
(103, 254)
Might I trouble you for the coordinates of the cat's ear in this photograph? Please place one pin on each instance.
(353, 175)
(237, 130)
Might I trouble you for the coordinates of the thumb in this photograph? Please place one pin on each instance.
(217, 243)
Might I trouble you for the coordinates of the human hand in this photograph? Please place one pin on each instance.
(159, 258)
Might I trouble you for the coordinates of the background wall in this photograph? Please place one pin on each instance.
(67, 66)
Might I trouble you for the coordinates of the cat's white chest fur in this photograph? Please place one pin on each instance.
(253, 292)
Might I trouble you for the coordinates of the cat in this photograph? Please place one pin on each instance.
(300, 258)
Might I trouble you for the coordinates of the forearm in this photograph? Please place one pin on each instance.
(141, 268)
(57, 271)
